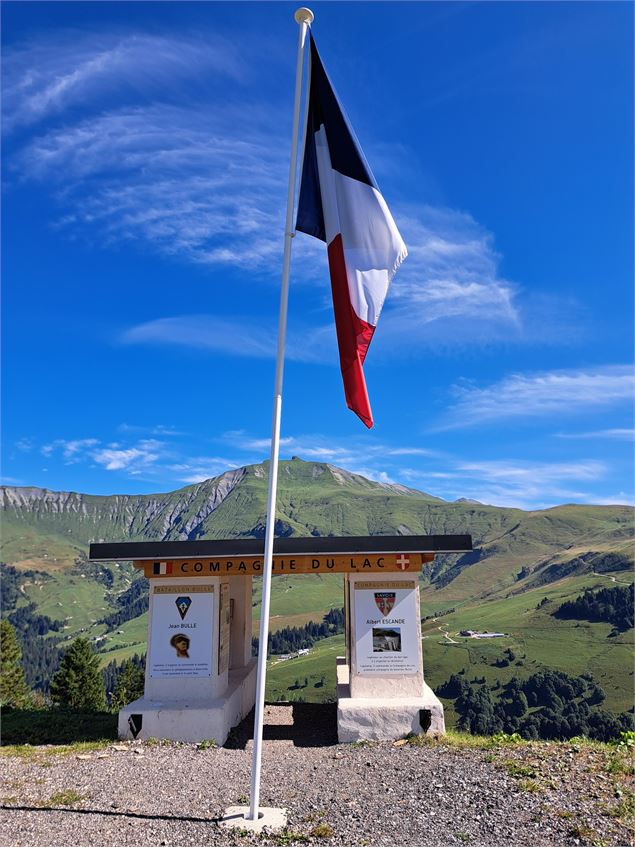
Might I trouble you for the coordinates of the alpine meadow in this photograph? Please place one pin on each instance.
(525, 567)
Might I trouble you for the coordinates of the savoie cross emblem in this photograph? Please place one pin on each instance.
(384, 601)
(403, 562)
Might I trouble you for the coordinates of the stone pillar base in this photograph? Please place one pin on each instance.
(194, 721)
(385, 719)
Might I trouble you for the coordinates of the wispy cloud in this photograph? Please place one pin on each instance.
(608, 434)
(151, 458)
(204, 332)
(242, 336)
(201, 468)
(243, 441)
(447, 294)
(620, 498)
(157, 429)
(516, 482)
(112, 456)
(203, 180)
(541, 395)
(48, 77)
(132, 459)
(527, 484)
(10, 480)
(411, 451)
(524, 484)
(538, 472)
(322, 449)
(207, 187)
(451, 274)
(25, 445)
(71, 450)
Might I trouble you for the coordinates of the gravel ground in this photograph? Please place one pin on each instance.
(377, 795)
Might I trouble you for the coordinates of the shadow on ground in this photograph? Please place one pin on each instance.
(56, 726)
(107, 813)
(305, 724)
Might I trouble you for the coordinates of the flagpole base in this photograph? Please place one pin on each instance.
(236, 817)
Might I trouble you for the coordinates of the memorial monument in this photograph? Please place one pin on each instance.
(200, 675)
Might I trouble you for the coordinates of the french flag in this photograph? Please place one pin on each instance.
(162, 568)
(341, 204)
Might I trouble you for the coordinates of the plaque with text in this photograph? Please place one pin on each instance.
(181, 631)
(386, 631)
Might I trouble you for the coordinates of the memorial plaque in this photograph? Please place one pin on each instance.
(224, 619)
(181, 631)
(386, 631)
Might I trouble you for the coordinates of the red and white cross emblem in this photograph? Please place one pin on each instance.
(403, 562)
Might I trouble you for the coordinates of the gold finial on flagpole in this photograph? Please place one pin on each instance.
(303, 16)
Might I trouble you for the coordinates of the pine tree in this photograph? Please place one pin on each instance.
(13, 688)
(129, 685)
(78, 684)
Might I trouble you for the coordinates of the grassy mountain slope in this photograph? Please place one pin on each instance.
(519, 558)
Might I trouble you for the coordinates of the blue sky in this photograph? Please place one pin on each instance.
(145, 167)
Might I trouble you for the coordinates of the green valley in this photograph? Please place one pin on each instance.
(524, 564)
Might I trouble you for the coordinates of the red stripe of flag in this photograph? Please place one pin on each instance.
(353, 335)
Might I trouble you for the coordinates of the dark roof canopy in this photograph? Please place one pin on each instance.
(253, 547)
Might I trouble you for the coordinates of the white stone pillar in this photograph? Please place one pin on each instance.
(382, 694)
(192, 692)
(241, 626)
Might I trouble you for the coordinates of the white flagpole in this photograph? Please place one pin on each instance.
(303, 17)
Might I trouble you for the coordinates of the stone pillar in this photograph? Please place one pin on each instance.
(382, 693)
(240, 594)
(198, 684)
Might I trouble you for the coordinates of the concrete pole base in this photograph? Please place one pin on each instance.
(235, 817)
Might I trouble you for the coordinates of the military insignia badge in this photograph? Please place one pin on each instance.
(183, 604)
(385, 600)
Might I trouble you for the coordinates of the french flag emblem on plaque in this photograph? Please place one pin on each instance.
(162, 568)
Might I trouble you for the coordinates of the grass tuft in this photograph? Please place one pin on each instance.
(529, 785)
(323, 830)
(289, 836)
(584, 833)
(624, 810)
(63, 798)
(29, 751)
(618, 763)
(518, 771)
(503, 738)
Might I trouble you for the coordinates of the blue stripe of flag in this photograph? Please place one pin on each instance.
(346, 155)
